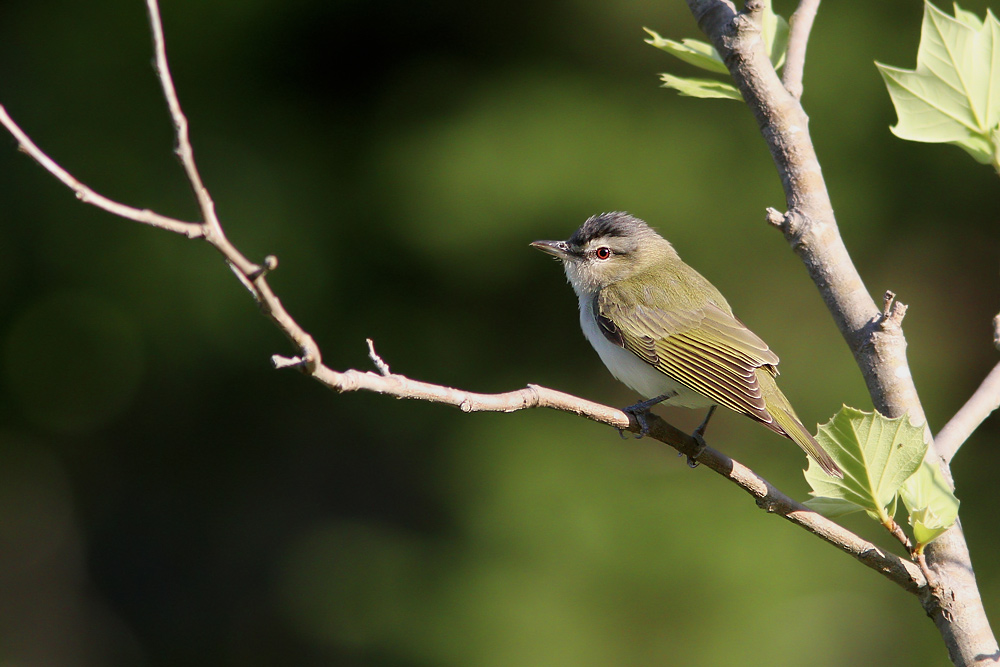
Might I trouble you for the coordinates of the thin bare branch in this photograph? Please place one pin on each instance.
(799, 27)
(183, 148)
(980, 405)
(900, 571)
(86, 195)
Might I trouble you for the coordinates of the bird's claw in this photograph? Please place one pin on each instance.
(692, 459)
(641, 410)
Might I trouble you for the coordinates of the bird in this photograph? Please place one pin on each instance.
(666, 332)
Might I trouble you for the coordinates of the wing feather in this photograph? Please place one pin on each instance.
(706, 349)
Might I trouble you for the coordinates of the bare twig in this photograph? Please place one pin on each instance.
(380, 364)
(799, 27)
(191, 230)
(897, 532)
(770, 499)
(980, 405)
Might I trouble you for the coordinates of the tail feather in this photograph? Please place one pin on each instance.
(798, 434)
(787, 423)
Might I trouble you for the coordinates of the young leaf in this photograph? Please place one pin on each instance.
(953, 96)
(691, 87)
(931, 503)
(774, 30)
(877, 455)
(692, 51)
(774, 33)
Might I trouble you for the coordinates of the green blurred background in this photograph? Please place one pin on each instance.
(166, 498)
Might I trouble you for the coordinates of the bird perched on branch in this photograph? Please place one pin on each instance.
(665, 331)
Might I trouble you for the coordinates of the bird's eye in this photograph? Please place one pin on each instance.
(602, 253)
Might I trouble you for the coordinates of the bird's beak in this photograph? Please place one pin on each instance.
(558, 249)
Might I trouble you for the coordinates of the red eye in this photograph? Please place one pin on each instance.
(602, 253)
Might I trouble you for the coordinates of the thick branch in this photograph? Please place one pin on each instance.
(875, 338)
(809, 226)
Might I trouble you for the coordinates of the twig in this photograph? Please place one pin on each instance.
(898, 533)
(980, 405)
(770, 499)
(380, 364)
(799, 27)
(192, 230)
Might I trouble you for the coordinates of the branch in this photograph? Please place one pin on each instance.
(799, 27)
(900, 571)
(984, 401)
(809, 224)
(309, 361)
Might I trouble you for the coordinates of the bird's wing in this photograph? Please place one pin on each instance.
(706, 349)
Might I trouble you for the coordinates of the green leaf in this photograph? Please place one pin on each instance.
(953, 95)
(968, 18)
(931, 503)
(690, 87)
(832, 507)
(774, 32)
(877, 455)
(692, 51)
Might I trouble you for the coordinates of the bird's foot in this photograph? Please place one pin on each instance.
(692, 459)
(641, 410)
(699, 438)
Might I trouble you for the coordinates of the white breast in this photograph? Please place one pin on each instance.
(633, 371)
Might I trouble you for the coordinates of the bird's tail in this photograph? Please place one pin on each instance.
(797, 433)
(791, 426)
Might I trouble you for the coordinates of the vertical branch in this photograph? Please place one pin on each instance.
(875, 337)
(799, 27)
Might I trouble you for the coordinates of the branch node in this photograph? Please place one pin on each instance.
(892, 311)
(279, 362)
(996, 332)
(887, 300)
(261, 270)
(776, 218)
(380, 364)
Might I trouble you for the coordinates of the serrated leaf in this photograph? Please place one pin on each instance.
(953, 95)
(709, 88)
(877, 455)
(692, 51)
(968, 18)
(930, 502)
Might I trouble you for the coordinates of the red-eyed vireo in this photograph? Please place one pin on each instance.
(666, 332)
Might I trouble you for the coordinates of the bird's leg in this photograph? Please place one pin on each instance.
(699, 437)
(641, 409)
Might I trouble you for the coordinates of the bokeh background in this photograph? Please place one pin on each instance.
(167, 498)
